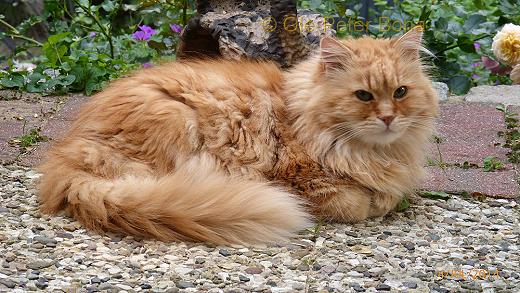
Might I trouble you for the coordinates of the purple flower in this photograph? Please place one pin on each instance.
(144, 33)
(176, 28)
(6, 68)
(478, 64)
(92, 34)
(140, 36)
(475, 76)
(147, 65)
(148, 30)
(497, 82)
(476, 45)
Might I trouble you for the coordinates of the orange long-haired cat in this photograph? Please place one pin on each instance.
(243, 152)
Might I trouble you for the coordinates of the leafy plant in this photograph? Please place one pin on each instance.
(511, 135)
(403, 205)
(29, 139)
(492, 164)
(434, 195)
(458, 32)
(91, 44)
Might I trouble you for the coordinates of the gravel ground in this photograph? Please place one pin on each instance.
(457, 245)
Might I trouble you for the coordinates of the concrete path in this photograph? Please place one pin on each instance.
(468, 130)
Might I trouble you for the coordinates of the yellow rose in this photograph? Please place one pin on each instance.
(506, 44)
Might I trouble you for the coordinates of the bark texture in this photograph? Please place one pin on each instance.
(260, 29)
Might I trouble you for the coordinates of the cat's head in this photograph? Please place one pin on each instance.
(374, 91)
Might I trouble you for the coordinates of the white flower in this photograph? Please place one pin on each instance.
(53, 73)
(23, 66)
(506, 44)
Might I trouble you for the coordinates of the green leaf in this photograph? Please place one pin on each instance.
(130, 7)
(29, 22)
(91, 86)
(466, 44)
(502, 108)
(54, 53)
(84, 3)
(492, 164)
(36, 87)
(425, 14)
(54, 39)
(459, 84)
(434, 195)
(66, 80)
(108, 6)
(156, 45)
(473, 22)
(13, 81)
(403, 205)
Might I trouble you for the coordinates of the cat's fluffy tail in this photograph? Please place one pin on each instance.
(201, 206)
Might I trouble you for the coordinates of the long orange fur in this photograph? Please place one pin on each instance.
(243, 152)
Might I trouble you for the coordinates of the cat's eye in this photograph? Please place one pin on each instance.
(400, 92)
(364, 95)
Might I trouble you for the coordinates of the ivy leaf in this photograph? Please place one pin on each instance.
(459, 84)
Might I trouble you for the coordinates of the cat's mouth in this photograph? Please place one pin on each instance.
(387, 135)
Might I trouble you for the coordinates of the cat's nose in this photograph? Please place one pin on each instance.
(387, 119)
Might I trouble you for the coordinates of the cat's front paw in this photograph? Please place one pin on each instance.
(383, 203)
(350, 207)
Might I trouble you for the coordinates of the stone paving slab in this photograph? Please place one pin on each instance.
(55, 128)
(505, 94)
(17, 117)
(501, 184)
(468, 133)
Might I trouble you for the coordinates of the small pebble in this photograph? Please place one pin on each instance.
(185, 284)
(383, 287)
(224, 252)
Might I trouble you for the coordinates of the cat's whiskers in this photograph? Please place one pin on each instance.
(348, 136)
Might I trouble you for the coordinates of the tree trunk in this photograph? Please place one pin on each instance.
(260, 29)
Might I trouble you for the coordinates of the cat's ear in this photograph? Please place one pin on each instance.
(411, 42)
(333, 53)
